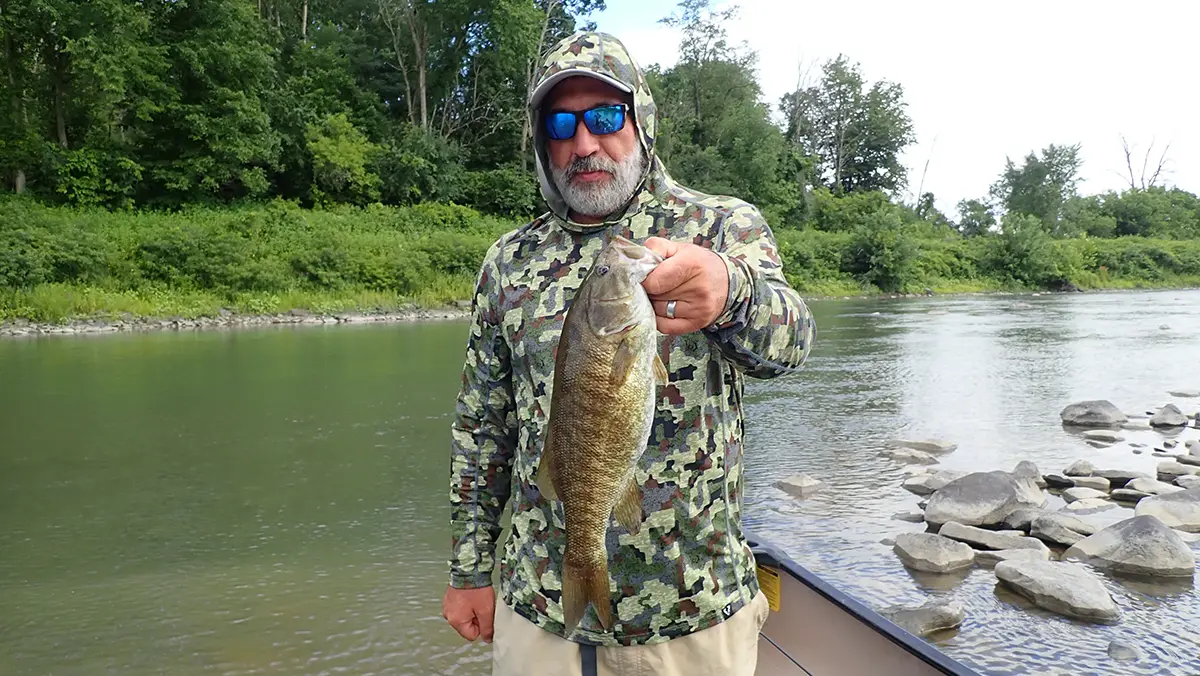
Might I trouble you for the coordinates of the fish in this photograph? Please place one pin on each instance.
(607, 371)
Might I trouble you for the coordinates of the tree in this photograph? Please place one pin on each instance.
(855, 133)
(1041, 185)
(975, 218)
(1144, 183)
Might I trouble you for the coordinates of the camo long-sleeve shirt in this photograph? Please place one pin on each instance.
(689, 566)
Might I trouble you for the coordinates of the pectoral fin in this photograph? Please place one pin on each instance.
(660, 371)
(623, 361)
(545, 480)
(629, 508)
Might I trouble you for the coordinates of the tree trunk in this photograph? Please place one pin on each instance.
(304, 23)
(526, 131)
(58, 84)
(420, 40)
(20, 116)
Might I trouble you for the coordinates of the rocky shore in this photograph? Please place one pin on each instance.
(1069, 540)
(227, 320)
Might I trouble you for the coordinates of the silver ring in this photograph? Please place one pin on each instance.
(670, 309)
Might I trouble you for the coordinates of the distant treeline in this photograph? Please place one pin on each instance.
(258, 153)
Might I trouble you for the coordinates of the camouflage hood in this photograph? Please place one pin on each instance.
(604, 57)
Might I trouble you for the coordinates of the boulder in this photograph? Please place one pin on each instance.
(1188, 460)
(1022, 519)
(1185, 394)
(924, 484)
(1098, 483)
(1169, 471)
(1106, 436)
(1124, 652)
(933, 553)
(1080, 468)
(1188, 481)
(915, 516)
(1093, 413)
(1089, 506)
(1180, 510)
(989, 558)
(1059, 481)
(925, 445)
(1152, 486)
(1142, 545)
(910, 456)
(1063, 588)
(800, 485)
(982, 499)
(1060, 528)
(1169, 416)
(1127, 495)
(1117, 478)
(1027, 470)
(1080, 493)
(927, 619)
(987, 539)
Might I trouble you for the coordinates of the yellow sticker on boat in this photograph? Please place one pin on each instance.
(768, 581)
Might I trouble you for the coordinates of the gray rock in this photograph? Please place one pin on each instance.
(910, 456)
(988, 558)
(1060, 528)
(1089, 506)
(1193, 446)
(982, 499)
(1093, 413)
(925, 445)
(1127, 495)
(800, 485)
(924, 484)
(1193, 460)
(1124, 652)
(1136, 426)
(1170, 470)
(927, 619)
(1060, 481)
(911, 517)
(933, 553)
(1107, 436)
(987, 539)
(1117, 478)
(1079, 493)
(1188, 481)
(1063, 588)
(1179, 510)
(1185, 394)
(1152, 486)
(1080, 468)
(1098, 483)
(1022, 519)
(1026, 470)
(1170, 443)
(1169, 416)
(1142, 545)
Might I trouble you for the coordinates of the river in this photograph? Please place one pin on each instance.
(274, 500)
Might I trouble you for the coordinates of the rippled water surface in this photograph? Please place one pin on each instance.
(274, 501)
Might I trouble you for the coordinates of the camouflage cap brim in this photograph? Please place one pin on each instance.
(548, 84)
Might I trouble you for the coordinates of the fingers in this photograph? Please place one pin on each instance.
(468, 628)
(486, 617)
(668, 276)
(663, 247)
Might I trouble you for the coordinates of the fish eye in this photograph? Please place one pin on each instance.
(602, 270)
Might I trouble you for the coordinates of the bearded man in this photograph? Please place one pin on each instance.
(685, 596)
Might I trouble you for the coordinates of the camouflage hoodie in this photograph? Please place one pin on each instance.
(689, 567)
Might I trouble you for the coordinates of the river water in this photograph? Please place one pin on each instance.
(275, 500)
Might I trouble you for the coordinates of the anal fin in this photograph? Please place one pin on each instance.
(629, 507)
(545, 477)
(660, 371)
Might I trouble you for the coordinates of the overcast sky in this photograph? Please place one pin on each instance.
(985, 80)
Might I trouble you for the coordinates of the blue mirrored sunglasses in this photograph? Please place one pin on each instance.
(601, 120)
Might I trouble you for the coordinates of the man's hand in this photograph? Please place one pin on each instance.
(692, 276)
(470, 611)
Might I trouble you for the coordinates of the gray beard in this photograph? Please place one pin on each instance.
(600, 200)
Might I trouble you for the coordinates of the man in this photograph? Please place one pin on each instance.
(685, 593)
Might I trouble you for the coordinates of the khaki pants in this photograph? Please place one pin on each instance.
(521, 648)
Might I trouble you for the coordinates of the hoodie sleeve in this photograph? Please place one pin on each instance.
(483, 438)
(766, 330)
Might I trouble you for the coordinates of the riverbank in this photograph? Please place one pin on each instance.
(398, 312)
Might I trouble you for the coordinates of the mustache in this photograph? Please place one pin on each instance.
(591, 163)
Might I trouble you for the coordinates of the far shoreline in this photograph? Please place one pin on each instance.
(410, 313)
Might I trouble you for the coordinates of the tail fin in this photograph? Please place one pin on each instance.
(580, 586)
